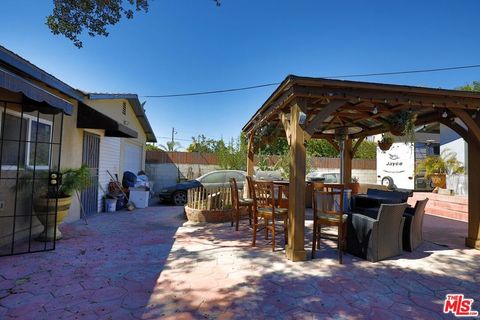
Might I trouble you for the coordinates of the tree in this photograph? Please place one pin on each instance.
(366, 150)
(321, 148)
(170, 146)
(474, 86)
(202, 144)
(234, 155)
(278, 147)
(151, 147)
(72, 17)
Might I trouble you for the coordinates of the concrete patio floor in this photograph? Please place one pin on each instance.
(152, 265)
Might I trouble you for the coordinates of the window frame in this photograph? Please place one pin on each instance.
(28, 141)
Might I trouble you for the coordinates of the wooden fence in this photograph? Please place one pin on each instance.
(209, 198)
(211, 159)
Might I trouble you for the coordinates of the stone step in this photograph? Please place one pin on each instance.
(452, 207)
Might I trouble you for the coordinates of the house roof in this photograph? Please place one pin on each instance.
(13, 61)
(137, 109)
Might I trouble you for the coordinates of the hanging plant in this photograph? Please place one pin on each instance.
(386, 142)
(267, 134)
(403, 124)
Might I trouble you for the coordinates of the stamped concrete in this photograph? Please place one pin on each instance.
(150, 264)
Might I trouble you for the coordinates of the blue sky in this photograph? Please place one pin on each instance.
(192, 45)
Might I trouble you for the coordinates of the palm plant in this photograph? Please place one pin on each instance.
(170, 146)
(445, 163)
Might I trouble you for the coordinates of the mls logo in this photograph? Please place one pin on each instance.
(459, 306)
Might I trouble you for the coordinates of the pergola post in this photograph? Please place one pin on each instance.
(250, 154)
(473, 238)
(295, 249)
(250, 162)
(347, 161)
(473, 125)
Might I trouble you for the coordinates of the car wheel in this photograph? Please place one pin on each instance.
(387, 182)
(179, 198)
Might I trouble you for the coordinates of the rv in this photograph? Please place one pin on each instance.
(396, 166)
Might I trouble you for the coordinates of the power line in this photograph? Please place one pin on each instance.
(360, 75)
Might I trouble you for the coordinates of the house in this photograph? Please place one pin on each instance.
(46, 125)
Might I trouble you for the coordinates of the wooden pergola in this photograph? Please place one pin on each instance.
(303, 108)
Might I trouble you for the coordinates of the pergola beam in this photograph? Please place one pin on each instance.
(357, 144)
(378, 96)
(323, 114)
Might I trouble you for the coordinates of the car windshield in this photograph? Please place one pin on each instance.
(215, 177)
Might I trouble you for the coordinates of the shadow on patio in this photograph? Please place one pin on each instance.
(150, 265)
(214, 273)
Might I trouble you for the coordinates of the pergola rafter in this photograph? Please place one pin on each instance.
(340, 105)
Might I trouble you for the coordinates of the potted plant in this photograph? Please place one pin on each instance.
(403, 124)
(436, 168)
(386, 142)
(354, 185)
(55, 194)
(267, 134)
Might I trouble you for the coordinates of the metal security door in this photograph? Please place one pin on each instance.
(91, 158)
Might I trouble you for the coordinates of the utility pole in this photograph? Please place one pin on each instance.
(173, 137)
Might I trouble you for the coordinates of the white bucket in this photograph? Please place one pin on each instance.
(110, 205)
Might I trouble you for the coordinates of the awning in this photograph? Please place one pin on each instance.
(90, 118)
(33, 94)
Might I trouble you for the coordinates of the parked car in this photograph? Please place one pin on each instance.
(177, 194)
(329, 177)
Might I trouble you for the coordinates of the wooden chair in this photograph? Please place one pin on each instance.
(282, 196)
(238, 203)
(328, 211)
(265, 213)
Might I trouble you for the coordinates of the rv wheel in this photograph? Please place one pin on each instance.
(387, 182)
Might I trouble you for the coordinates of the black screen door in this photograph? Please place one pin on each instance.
(91, 158)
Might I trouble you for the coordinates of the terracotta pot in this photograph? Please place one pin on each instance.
(384, 145)
(439, 180)
(354, 186)
(397, 130)
(45, 212)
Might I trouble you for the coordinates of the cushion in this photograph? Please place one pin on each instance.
(385, 195)
(332, 217)
(279, 212)
(245, 202)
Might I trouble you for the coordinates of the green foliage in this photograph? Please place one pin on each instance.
(263, 162)
(277, 147)
(386, 137)
(367, 150)
(233, 156)
(283, 165)
(321, 148)
(446, 163)
(151, 147)
(204, 145)
(474, 86)
(72, 17)
(171, 146)
(71, 180)
(74, 180)
(406, 120)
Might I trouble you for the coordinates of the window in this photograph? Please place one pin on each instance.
(238, 176)
(19, 147)
(217, 177)
(13, 151)
(40, 132)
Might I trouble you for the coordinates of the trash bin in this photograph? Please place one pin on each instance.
(110, 205)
